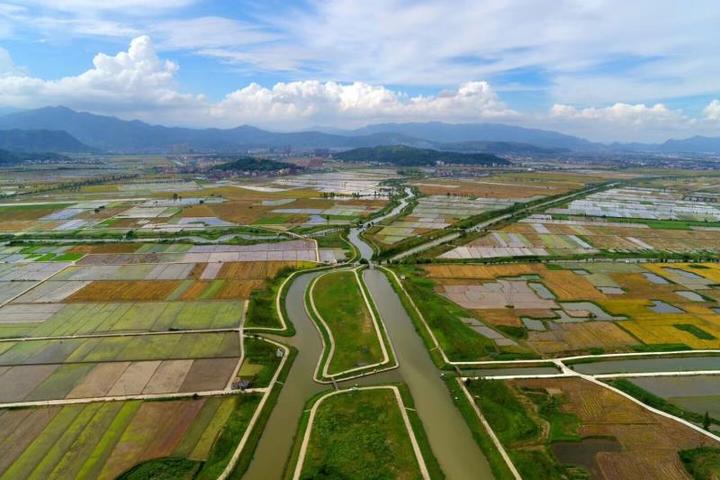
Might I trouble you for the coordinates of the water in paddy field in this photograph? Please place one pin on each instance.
(663, 364)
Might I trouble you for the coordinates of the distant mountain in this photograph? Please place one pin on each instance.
(251, 164)
(405, 156)
(440, 132)
(37, 141)
(18, 158)
(115, 135)
(695, 144)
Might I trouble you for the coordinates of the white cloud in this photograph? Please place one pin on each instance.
(207, 32)
(304, 102)
(620, 113)
(135, 81)
(712, 111)
(138, 83)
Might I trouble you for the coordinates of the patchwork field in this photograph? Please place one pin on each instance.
(645, 203)
(573, 308)
(104, 440)
(561, 428)
(188, 206)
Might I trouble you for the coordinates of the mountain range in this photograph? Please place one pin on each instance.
(64, 130)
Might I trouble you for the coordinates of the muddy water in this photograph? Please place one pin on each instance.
(277, 438)
(450, 438)
(365, 251)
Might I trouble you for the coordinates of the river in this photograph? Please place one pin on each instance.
(450, 438)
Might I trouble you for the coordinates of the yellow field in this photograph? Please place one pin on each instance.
(642, 325)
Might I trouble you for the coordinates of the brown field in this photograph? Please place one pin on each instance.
(580, 337)
(120, 290)
(105, 248)
(252, 270)
(208, 374)
(649, 442)
(195, 291)
(238, 289)
(484, 290)
(161, 426)
(22, 426)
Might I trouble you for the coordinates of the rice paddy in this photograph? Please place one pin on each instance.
(555, 428)
(104, 440)
(587, 307)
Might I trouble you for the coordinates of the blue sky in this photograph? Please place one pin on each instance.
(607, 70)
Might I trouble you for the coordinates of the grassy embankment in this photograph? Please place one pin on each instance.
(361, 434)
(518, 425)
(339, 301)
(458, 340)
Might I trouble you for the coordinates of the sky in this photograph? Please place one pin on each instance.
(607, 70)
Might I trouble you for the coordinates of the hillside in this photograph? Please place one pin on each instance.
(116, 135)
(38, 141)
(250, 164)
(17, 158)
(412, 157)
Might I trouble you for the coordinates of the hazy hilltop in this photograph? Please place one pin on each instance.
(86, 131)
(38, 141)
(405, 156)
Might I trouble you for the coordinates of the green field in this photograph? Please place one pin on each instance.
(90, 318)
(104, 440)
(154, 347)
(340, 303)
(360, 435)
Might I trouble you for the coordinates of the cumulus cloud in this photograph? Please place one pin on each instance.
(620, 113)
(712, 111)
(138, 82)
(295, 103)
(135, 80)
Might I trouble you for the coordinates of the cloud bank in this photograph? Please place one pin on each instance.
(138, 83)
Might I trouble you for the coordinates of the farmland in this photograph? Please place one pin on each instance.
(554, 428)
(568, 309)
(190, 206)
(104, 440)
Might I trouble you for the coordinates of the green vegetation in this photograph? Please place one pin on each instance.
(243, 463)
(516, 424)
(12, 158)
(339, 301)
(262, 357)
(360, 435)
(502, 409)
(458, 340)
(695, 330)
(404, 156)
(235, 163)
(163, 469)
(229, 438)
(498, 466)
(660, 403)
(262, 311)
(702, 463)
